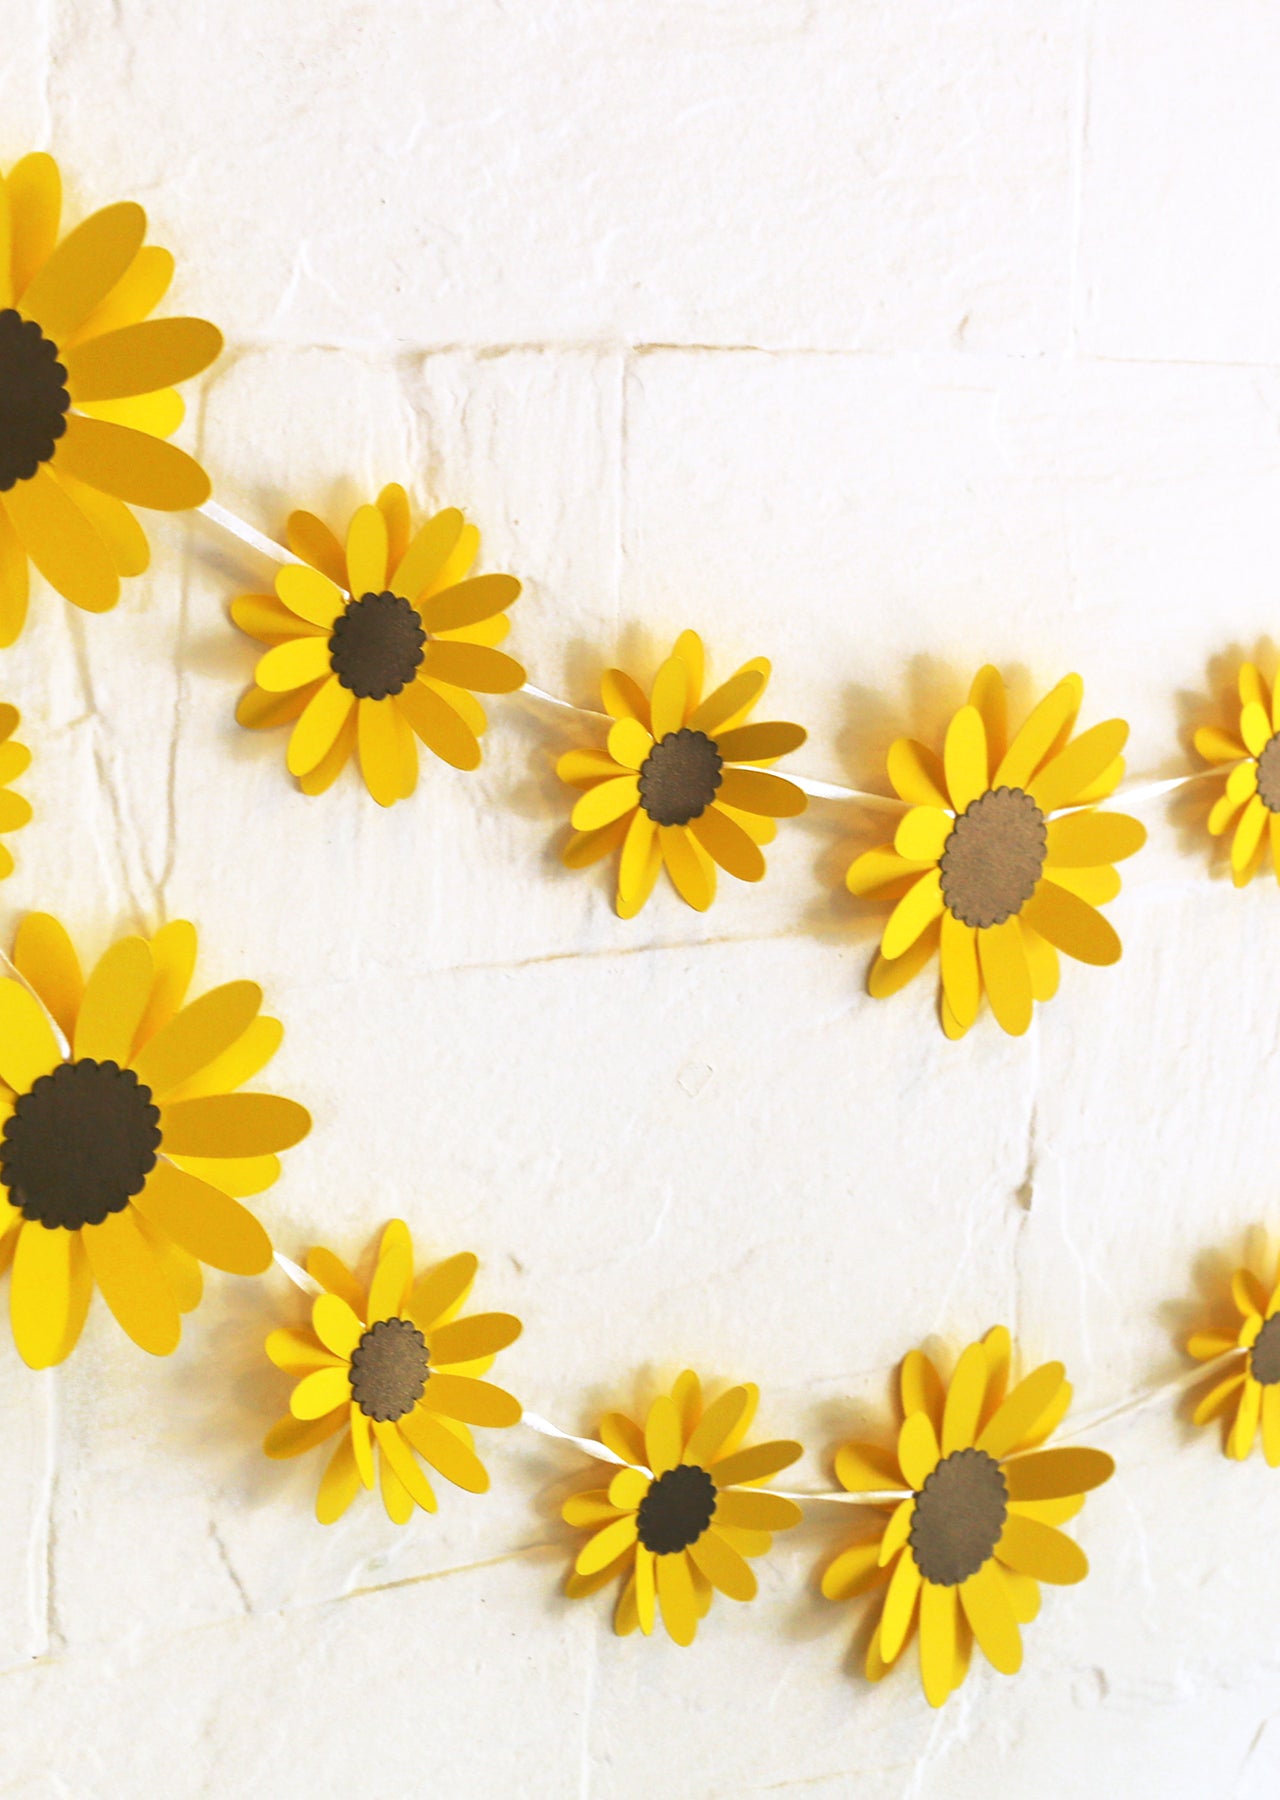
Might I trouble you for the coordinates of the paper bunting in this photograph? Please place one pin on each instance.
(1249, 756)
(981, 869)
(681, 781)
(124, 1137)
(392, 1366)
(15, 809)
(679, 1523)
(1251, 1382)
(88, 384)
(973, 1531)
(378, 645)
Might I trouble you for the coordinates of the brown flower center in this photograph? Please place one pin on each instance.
(1269, 774)
(676, 1510)
(994, 857)
(33, 398)
(959, 1516)
(679, 777)
(80, 1144)
(389, 1369)
(1264, 1358)
(376, 645)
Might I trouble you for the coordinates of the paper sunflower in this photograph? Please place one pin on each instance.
(392, 1366)
(1251, 802)
(981, 869)
(680, 783)
(975, 1532)
(15, 811)
(378, 645)
(86, 394)
(1252, 1381)
(121, 1152)
(680, 1523)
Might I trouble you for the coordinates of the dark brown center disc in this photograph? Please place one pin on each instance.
(679, 777)
(994, 857)
(376, 645)
(959, 1516)
(677, 1509)
(33, 398)
(389, 1369)
(80, 1144)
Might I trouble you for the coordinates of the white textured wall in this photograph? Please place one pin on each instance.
(883, 338)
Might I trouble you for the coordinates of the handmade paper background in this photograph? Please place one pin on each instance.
(880, 338)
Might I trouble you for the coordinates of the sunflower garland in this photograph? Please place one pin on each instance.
(680, 782)
(679, 1523)
(981, 869)
(392, 1367)
(1249, 757)
(87, 395)
(379, 644)
(15, 809)
(121, 1154)
(1252, 1380)
(964, 1548)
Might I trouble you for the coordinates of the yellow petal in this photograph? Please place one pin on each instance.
(691, 870)
(730, 700)
(1006, 976)
(35, 202)
(293, 664)
(723, 1567)
(921, 1387)
(440, 1292)
(339, 1484)
(1071, 924)
(40, 1293)
(608, 801)
(964, 1400)
(28, 1048)
(886, 978)
(1065, 777)
(965, 758)
(917, 774)
(918, 1451)
(115, 999)
(291, 1437)
(173, 953)
(472, 1402)
(440, 727)
(310, 595)
(427, 554)
(728, 844)
(760, 1463)
(1018, 1415)
(138, 359)
(472, 666)
(61, 542)
(138, 292)
(922, 834)
(132, 465)
(754, 790)
(132, 1281)
(854, 1571)
(233, 1125)
(1085, 839)
(318, 1393)
(1041, 1551)
(207, 1223)
(958, 946)
(917, 909)
(14, 583)
(84, 268)
(1056, 1474)
(937, 1641)
(312, 540)
(367, 551)
(469, 602)
(1255, 727)
(899, 1607)
(760, 742)
(191, 1040)
(446, 1454)
(1218, 746)
(1046, 726)
(465, 1340)
(676, 1598)
(44, 954)
(987, 1606)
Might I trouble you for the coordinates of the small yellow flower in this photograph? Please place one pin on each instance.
(971, 1529)
(680, 782)
(121, 1156)
(392, 1366)
(1252, 1379)
(88, 400)
(981, 869)
(1251, 801)
(679, 1523)
(377, 645)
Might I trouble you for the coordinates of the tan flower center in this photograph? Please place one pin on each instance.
(80, 1144)
(676, 1510)
(389, 1369)
(376, 645)
(959, 1516)
(1264, 1358)
(1269, 775)
(679, 777)
(33, 398)
(994, 857)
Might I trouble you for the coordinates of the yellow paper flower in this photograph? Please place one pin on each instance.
(15, 811)
(121, 1152)
(676, 784)
(680, 1522)
(1251, 801)
(964, 1549)
(982, 871)
(395, 1367)
(378, 643)
(1252, 1380)
(87, 384)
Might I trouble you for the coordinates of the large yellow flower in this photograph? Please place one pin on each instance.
(378, 643)
(680, 1522)
(86, 394)
(392, 1366)
(124, 1139)
(1251, 801)
(15, 810)
(982, 871)
(974, 1530)
(676, 784)
(1252, 1378)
